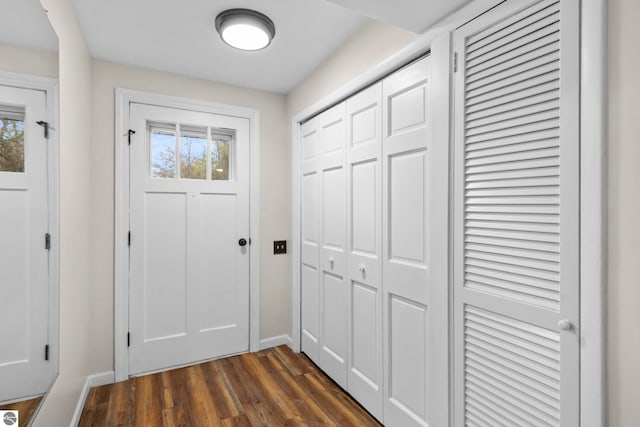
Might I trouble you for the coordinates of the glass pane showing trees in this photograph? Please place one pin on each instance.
(198, 153)
(11, 139)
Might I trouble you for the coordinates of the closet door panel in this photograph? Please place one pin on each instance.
(364, 333)
(516, 302)
(364, 130)
(406, 248)
(363, 207)
(408, 363)
(310, 238)
(310, 311)
(333, 260)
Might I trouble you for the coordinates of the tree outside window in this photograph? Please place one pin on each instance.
(11, 145)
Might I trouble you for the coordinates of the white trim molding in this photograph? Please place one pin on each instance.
(124, 97)
(94, 380)
(593, 208)
(275, 342)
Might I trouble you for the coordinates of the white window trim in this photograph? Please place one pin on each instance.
(123, 99)
(50, 87)
(593, 64)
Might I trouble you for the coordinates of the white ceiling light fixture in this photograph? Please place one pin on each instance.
(245, 29)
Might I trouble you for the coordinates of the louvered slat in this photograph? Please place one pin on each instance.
(514, 113)
(514, 251)
(497, 33)
(525, 94)
(550, 171)
(511, 78)
(515, 88)
(507, 163)
(516, 105)
(511, 369)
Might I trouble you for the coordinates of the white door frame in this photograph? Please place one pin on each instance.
(50, 87)
(593, 63)
(121, 298)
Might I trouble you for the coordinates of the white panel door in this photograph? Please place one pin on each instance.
(310, 238)
(189, 269)
(324, 260)
(24, 260)
(364, 242)
(407, 249)
(517, 217)
(333, 260)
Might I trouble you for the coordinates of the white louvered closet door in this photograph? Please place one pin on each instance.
(516, 230)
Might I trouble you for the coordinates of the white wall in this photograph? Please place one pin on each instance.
(624, 215)
(28, 61)
(371, 45)
(274, 204)
(75, 214)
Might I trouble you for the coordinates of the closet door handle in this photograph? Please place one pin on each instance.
(361, 269)
(331, 263)
(565, 325)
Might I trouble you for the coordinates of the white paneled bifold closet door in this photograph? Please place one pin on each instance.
(310, 240)
(516, 264)
(364, 151)
(407, 246)
(368, 238)
(323, 289)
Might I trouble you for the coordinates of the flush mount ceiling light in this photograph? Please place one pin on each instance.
(245, 29)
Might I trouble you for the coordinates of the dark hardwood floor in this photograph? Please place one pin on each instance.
(274, 387)
(26, 409)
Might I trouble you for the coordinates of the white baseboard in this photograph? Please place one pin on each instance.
(276, 341)
(93, 380)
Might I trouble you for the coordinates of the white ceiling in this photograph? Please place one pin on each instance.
(414, 15)
(25, 23)
(178, 36)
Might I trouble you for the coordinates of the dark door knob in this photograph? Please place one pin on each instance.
(242, 242)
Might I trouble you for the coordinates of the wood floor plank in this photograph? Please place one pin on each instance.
(274, 387)
(272, 395)
(221, 392)
(299, 396)
(25, 408)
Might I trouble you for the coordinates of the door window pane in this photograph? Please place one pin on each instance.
(11, 144)
(220, 158)
(163, 153)
(193, 155)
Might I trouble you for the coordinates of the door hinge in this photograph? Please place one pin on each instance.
(47, 241)
(129, 133)
(45, 125)
(128, 339)
(129, 238)
(46, 352)
(455, 62)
